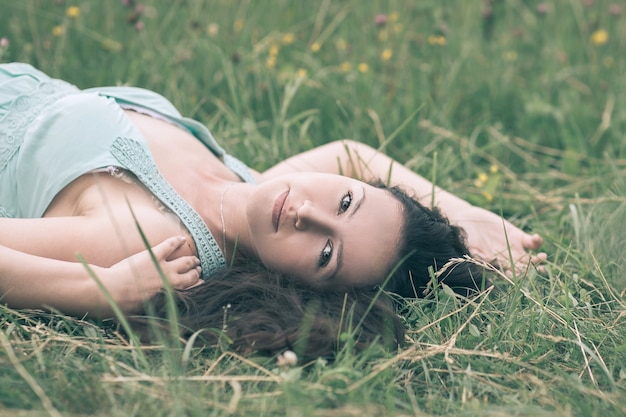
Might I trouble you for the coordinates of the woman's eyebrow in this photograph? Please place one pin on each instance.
(358, 204)
(338, 263)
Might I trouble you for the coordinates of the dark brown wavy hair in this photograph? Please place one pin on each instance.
(263, 311)
(427, 244)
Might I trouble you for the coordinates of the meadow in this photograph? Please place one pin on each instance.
(514, 105)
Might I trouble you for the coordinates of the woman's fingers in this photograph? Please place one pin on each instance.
(507, 249)
(184, 280)
(184, 272)
(166, 248)
(522, 264)
(532, 242)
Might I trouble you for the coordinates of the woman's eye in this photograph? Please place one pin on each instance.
(326, 255)
(345, 202)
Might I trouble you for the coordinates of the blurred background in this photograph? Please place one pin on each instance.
(515, 105)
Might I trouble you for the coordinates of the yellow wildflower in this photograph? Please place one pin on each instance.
(73, 12)
(111, 45)
(288, 38)
(478, 183)
(58, 30)
(510, 56)
(345, 67)
(315, 46)
(301, 73)
(386, 54)
(273, 50)
(394, 16)
(363, 67)
(599, 37)
(238, 25)
(270, 63)
(437, 40)
(488, 196)
(493, 169)
(482, 177)
(341, 45)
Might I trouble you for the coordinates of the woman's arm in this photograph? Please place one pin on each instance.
(102, 238)
(29, 281)
(485, 230)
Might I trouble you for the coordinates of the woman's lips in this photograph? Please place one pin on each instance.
(277, 210)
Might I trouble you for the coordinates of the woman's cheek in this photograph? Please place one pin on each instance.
(289, 259)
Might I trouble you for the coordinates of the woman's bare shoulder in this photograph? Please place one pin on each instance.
(98, 217)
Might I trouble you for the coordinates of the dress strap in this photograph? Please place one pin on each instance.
(238, 168)
(135, 158)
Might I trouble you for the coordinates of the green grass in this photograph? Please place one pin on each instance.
(523, 96)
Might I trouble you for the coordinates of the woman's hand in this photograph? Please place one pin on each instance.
(498, 242)
(136, 279)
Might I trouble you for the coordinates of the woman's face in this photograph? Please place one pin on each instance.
(331, 231)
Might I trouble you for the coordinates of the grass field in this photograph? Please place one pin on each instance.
(515, 105)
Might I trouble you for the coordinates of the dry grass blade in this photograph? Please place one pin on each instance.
(197, 378)
(234, 401)
(450, 344)
(242, 359)
(32, 382)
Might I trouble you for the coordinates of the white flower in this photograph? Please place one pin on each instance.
(286, 359)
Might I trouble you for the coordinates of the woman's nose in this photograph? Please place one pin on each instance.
(308, 216)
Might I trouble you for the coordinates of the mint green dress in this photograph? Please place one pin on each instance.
(52, 133)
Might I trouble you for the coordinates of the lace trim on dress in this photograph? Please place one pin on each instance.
(23, 110)
(5, 213)
(137, 160)
(115, 172)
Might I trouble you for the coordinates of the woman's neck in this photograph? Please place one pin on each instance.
(226, 216)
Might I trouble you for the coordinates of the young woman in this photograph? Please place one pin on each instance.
(88, 172)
